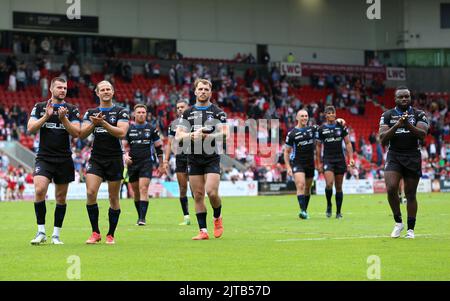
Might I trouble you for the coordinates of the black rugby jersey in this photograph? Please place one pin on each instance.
(403, 140)
(181, 149)
(302, 142)
(209, 117)
(141, 139)
(54, 140)
(332, 135)
(105, 144)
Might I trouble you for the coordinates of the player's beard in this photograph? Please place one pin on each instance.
(59, 98)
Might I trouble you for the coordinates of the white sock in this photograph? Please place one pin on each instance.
(186, 217)
(204, 230)
(56, 231)
(41, 228)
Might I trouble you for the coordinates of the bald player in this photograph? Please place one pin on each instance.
(402, 129)
(299, 159)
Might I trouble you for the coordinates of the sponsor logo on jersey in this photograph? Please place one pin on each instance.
(100, 130)
(52, 125)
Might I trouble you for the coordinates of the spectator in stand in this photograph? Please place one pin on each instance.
(290, 58)
(156, 70)
(249, 175)
(138, 97)
(87, 73)
(36, 76)
(44, 87)
(368, 151)
(127, 73)
(12, 82)
(74, 71)
(432, 150)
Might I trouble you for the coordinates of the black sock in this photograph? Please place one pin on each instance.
(411, 223)
(40, 210)
(307, 201)
(184, 205)
(60, 212)
(113, 220)
(301, 202)
(143, 209)
(93, 217)
(398, 218)
(328, 194)
(201, 219)
(137, 204)
(339, 199)
(217, 211)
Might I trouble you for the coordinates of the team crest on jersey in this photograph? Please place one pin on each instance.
(411, 120)
(147, 135)
(338, 132)
(37, 169)
(112, 119)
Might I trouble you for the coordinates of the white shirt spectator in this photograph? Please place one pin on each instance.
(36, 75)
(269, 176)
(5, 162)
(432, 149)
(74, 70)
(12, 83)
(249, 175)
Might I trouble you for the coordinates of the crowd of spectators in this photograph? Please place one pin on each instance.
(256, 95)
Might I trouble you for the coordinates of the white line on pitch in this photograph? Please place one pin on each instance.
(345, 237)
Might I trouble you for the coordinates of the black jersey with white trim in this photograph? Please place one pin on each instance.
(54, 140)
(141, 138)
(302, 141)
(106, 145)
(208, 117)
(332, 135)
(403, 140)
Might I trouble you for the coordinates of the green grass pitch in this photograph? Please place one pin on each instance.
(263, 240)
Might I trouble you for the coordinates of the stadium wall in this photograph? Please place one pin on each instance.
(335, 30)
(423, 18)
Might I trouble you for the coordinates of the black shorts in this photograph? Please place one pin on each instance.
(108, 169)
(408, 165)
(181, 164)
(60, 172)
(338, 167)
(202, 166)
(141, 169)
(308, 169)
